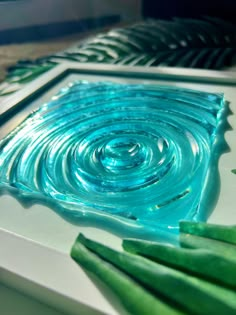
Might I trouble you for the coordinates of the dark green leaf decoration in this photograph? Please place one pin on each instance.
(206, 44)
(22, 73)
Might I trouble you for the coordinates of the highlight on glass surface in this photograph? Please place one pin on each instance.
(134, 158)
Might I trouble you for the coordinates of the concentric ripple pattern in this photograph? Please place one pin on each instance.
(139, 153)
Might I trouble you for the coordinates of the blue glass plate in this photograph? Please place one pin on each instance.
(136, 158)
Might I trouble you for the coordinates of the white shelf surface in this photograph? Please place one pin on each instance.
(35, 242)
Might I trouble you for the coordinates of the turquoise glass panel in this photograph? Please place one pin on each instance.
(135, 157)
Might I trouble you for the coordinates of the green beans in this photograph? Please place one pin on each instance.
(199, 262)
(134, 298)
(219, 248)
(213, 231)
(178, 288)
(153, 278)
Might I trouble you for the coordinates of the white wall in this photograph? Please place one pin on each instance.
(37, 12)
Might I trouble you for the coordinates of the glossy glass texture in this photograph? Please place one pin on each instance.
(129, 153)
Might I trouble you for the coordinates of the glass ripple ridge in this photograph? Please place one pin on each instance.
(137, 155)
